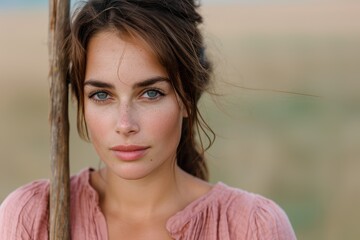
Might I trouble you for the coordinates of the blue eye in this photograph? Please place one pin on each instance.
(100, 96)
(152, 94)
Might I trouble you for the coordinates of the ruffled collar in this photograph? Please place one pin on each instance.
(177, 223)
(195, 209)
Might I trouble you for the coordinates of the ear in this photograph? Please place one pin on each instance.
(184, 111)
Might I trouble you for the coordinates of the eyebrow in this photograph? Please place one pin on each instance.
(145, 83)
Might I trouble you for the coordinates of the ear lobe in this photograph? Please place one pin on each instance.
(184, 112)
(183, 109)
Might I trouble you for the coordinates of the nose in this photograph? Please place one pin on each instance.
(126, 123)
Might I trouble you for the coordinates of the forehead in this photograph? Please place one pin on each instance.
(129, 57)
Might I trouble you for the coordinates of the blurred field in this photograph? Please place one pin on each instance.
(287, 120)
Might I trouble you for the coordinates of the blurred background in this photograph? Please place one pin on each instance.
(287, 116)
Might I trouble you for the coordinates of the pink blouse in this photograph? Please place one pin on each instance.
(224, 213)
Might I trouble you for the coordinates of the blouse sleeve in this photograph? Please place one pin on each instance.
(269, 221)
(23, 214)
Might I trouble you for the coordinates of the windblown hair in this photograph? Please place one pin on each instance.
(171, 29)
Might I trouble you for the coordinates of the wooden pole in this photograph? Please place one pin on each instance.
(59, 25)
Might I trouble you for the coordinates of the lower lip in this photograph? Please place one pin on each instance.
(130, 155)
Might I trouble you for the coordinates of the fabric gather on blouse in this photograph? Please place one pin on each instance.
(224, 213)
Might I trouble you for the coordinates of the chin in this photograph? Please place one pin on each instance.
(132, 173)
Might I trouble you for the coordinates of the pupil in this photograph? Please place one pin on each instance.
(152, 94)
(102, 95)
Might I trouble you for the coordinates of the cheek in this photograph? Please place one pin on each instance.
(161, 123)
(166, 124)
(96, 123)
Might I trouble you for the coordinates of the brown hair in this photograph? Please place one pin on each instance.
(170, 27)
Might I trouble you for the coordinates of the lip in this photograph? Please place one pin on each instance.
(129, 152)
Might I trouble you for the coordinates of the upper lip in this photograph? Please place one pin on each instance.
(128, 148)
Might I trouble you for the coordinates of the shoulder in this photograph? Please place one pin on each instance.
(24, 213)
(230, 213)
(263, 217)
(23, 210)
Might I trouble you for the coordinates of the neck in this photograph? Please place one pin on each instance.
(143, 198)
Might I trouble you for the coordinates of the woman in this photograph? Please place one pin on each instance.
(138, 69)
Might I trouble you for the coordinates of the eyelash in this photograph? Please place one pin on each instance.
(159, 93)
(93, 95)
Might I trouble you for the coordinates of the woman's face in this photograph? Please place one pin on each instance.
(132, 113)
